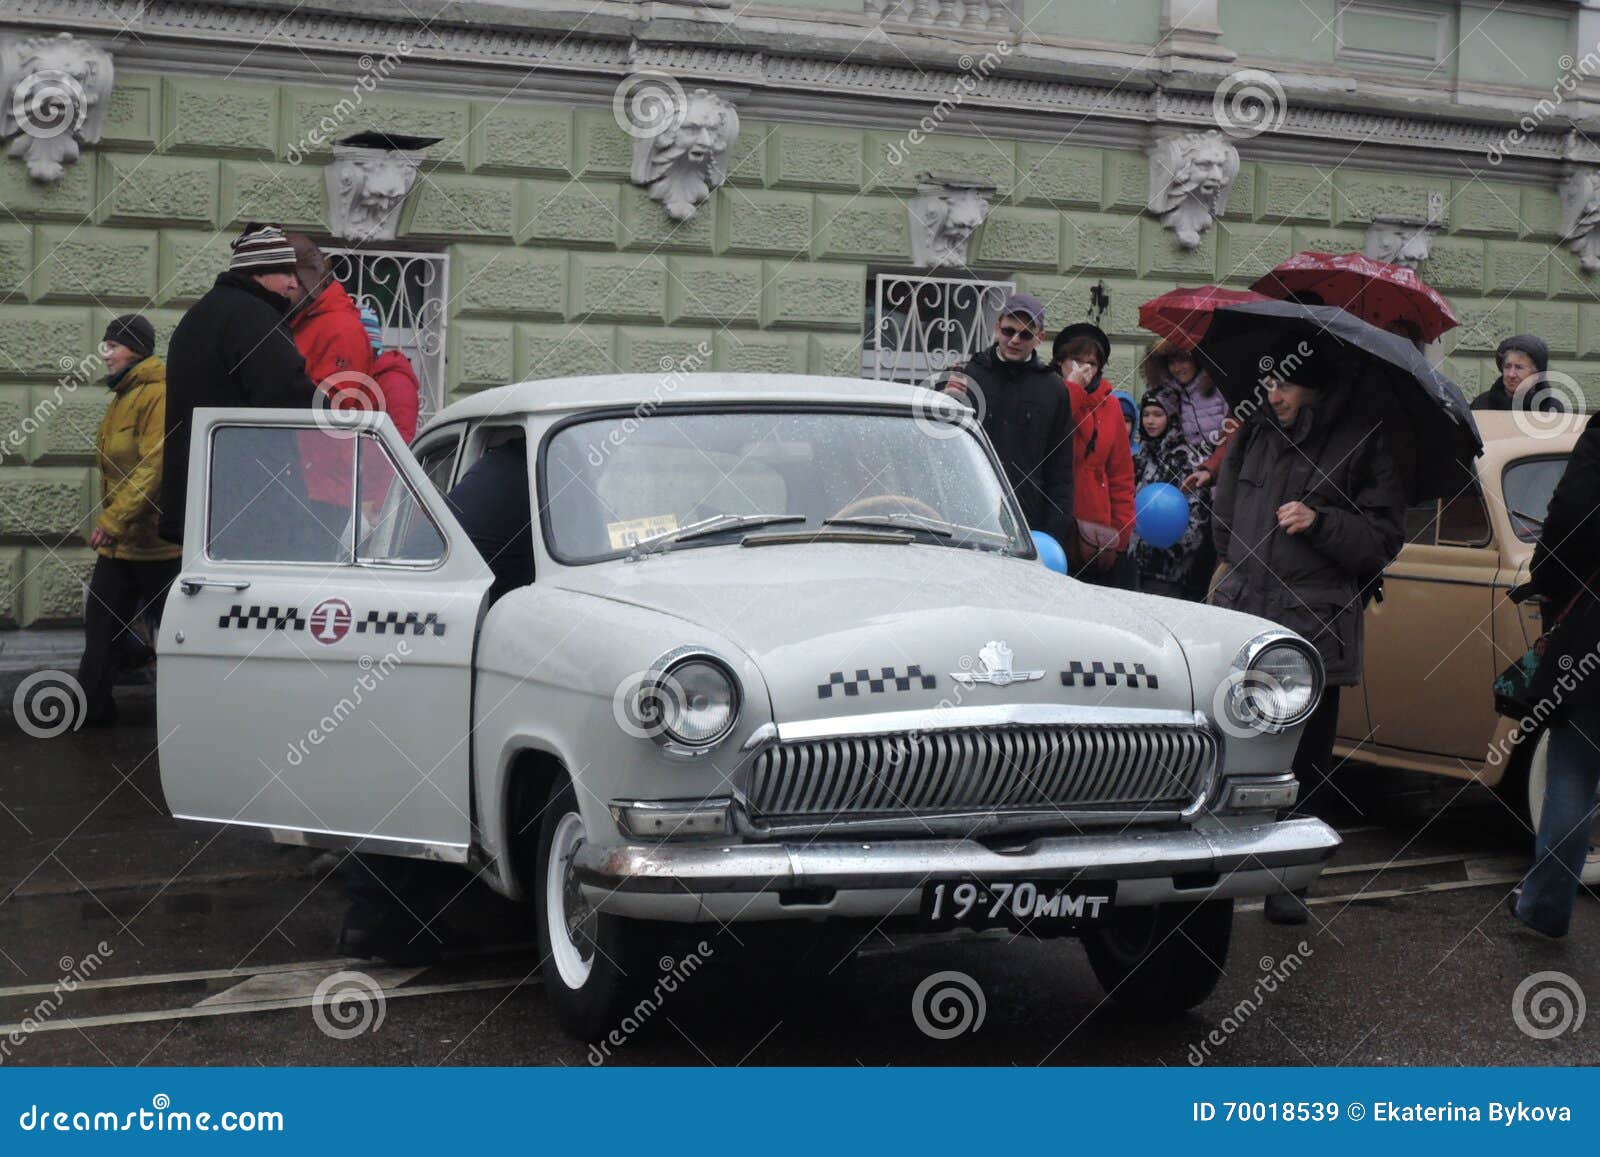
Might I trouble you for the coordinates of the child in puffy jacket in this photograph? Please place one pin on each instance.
(1165, 457)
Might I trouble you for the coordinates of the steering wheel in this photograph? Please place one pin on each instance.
(887, 504)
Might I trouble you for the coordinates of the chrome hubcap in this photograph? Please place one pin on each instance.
(570, 918)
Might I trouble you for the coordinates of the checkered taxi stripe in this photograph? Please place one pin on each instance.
(270, 619)
(876, 684)
(1085, 674)
(391, 623)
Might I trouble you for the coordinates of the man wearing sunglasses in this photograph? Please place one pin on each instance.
(1025, 413)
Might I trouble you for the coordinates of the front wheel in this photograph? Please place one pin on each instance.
(592, 962)
(1162, 959)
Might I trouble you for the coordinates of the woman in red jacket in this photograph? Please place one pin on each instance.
(1102, 462)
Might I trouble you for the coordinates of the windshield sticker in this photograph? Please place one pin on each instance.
(1129, 673)
(629, 531)
(876, 685)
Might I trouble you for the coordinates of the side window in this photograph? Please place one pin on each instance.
(1463, 521)
(394, 526)
(298, 494)
(438, 462)
(1422, 521)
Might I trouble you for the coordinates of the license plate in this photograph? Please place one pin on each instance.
(1056, 905)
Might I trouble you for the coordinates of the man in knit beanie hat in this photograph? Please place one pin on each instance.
(232, 349)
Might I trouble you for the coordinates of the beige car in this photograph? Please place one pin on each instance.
(1445, 628)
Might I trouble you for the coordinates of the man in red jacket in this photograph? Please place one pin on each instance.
(326, 327)
(1102, 462)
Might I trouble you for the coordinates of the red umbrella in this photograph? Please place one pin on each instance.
(1377, 292)
(1183, 315)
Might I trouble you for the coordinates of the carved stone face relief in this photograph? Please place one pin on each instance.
(1580, 216)
(53, 92)
(1399, 241)
(683, 164)
(1190, 177)
(944, 214)
(366, 189)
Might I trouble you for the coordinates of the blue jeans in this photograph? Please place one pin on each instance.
(1562, 844)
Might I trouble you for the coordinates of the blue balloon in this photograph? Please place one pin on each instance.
(1161, 514)
(1050, 552)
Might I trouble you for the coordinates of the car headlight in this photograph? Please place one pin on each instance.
(1275, 684)
(696, 702)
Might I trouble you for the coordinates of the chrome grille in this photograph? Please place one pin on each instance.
(1070, 767)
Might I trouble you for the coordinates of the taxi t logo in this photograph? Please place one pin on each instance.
(995, 659)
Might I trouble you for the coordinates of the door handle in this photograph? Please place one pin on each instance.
(191, 586)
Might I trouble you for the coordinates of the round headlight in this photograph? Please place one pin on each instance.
(699, 702)
(1278, 688)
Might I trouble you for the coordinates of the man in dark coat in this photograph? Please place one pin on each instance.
(1308, 511)
(1523, 361)
(232, 349)
(1027, 414)
(1566, 689)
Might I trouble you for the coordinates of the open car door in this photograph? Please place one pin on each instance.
(315, 674)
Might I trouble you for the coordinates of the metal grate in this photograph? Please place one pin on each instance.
(918, 326)
(407, 290)
(1068, 767)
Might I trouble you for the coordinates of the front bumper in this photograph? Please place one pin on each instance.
(776, 881)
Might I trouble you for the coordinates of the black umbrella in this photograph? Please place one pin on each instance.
(1426, 421)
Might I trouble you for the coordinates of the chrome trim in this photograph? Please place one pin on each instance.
(959, 718)
(1286, 782)
(338, 841)
(959, 824)
(662, 667)
(191, 586)
(1251, 651)
(747, 868)
(681, 810)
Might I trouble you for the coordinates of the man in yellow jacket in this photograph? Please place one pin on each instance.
(135, 566)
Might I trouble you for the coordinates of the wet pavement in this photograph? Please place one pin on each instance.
(126, 940)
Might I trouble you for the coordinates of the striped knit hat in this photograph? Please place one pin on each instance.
(374, 327)
(262, 249)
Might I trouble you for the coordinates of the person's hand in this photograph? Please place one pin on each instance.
(955, 384)
(1295, 517)
(1081, 373)
(99, 538)
(1199, 480)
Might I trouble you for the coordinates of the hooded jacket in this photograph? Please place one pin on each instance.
(1200, 409)
(1313, 582)
(1102, 459)
(328, 332)
(230, 349)
(1028, 418)
(128, 448)
(1168, 459)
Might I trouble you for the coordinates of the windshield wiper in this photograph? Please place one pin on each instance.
(707, 526)
(934, 526)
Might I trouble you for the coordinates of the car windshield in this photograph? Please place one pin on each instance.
(681, 480)
(1528, 484)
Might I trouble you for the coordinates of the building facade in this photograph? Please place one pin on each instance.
(541, 189)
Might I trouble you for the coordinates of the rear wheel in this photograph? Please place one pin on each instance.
(592, 963)
(1163, 959)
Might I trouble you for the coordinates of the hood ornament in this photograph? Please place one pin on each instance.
(995, 660)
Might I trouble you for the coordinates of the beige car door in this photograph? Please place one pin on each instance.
(1430, 654)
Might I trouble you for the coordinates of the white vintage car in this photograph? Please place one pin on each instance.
(789, 655)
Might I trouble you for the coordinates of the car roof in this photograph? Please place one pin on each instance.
(554, 395)
(1508, 436)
